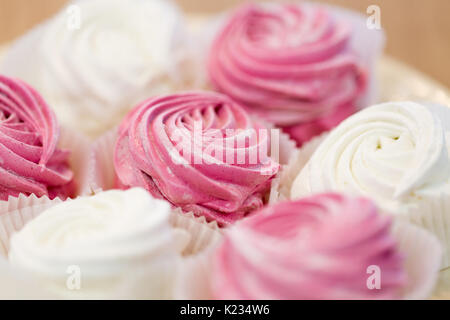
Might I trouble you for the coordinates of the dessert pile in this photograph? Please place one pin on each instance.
(179, 143)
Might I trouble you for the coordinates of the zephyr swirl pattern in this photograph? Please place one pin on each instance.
(209, 171)
(396, 153)
(95, 72)
(291, 64)
(30, 161)
(109, 236)
(315, 248)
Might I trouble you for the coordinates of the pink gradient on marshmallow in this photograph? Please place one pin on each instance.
(291, 65)
(314, 248)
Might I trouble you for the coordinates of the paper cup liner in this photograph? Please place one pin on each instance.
(79, 145)
(442, 289)
(433, 214)
(203, 234)
(194, 273)
(193, 276)
(282, 147)
(422, 260)
(281, 186)
(423, 254)
(16, 212)
(101, 173)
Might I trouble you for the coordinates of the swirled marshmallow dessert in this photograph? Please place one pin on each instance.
(292, 64)
(91, 247)
(96, 59)
(396, 153)
(315, 248)
(30, 161)
(199, 150)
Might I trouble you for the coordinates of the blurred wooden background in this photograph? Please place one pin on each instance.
(418, 30)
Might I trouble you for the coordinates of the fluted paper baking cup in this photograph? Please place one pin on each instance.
(432, 213)
(194, 276)
(100, 173)
(203, 234)
(281, 186)
(17, 212)
(282, 151)
(287, 149)
(282, 147)
(194, 273)
(442, 288)
(423, 254)
(79, 146)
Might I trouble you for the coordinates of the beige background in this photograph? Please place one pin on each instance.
(418, 30)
